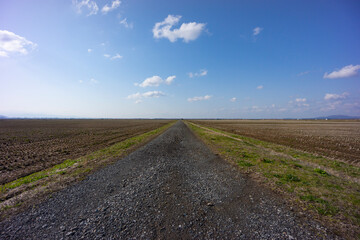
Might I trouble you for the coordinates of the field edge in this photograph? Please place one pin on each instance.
(20, 194)
(259, 166)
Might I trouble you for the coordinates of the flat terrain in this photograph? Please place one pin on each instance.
(172, 188)
(28, 146)
(339, 139)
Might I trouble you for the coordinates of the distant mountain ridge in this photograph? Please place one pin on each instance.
(2, 117)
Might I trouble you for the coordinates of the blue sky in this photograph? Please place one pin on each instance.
(179, 59)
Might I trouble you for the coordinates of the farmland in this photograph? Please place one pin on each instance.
(28, 146)
(334, 138)
(325, 188)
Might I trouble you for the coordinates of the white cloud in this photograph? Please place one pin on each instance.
(94, 81)
(89, 50)
(300, 100)
(256, 109)
(91, 6)
(154, 94)
(81, 81)
(194, 99)
(187, 31)
(169, 79)
(117, 56)
(115, 4)
(151, 94)
(260, 87)
(155, 81)
(331, 106)
(257, 30)
(233, 99)
(10, 43)
(201, 73)
(126, 24)
(333, 96)
(303, 73)
(347, 71)
(135, 96)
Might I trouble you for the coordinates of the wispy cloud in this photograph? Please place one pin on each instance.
(135, 96)
(187, 31)
(260, 87)
(256, 109)
(332, 106)
(233, 99)
(303, 73)
(89, 50)
(94, 81)
(107, 8)
(155, 81)
(333, 96)
(151, 94)
(300, 102)
(347, 71)
(195, 99)
(91, 6)
(201, 73)
(126, 24)
(10, 43)
(257, 30)
(116, 56)
(91, 81)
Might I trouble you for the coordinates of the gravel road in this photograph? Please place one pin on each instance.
(172, 188)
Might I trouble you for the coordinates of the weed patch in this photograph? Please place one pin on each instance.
(243, 163)
(321, 172)
(265, 160)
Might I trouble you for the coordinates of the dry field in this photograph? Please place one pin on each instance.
(339, 139)
(28, 146)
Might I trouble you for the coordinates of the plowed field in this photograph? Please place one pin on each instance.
(334, 138)
(27, 146)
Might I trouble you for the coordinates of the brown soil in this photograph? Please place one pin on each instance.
(27, 146)
(338, 139)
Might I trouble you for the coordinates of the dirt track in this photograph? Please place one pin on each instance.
(172, 188)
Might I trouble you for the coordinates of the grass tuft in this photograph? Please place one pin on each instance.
(243, 163)
(321, 172)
